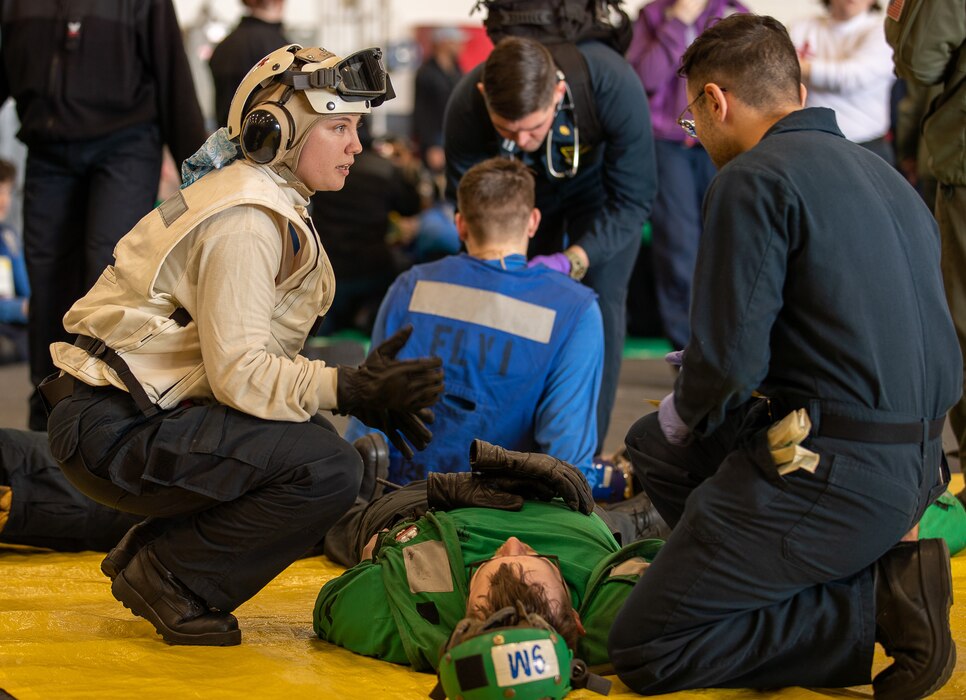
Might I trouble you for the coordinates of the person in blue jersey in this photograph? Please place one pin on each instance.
(522, 347)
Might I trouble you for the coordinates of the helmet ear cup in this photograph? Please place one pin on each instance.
(266, 133)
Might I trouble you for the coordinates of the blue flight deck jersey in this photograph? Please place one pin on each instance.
(522, 352)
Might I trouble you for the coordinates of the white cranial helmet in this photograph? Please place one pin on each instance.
(285, 93)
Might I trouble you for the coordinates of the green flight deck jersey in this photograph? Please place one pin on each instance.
(402, 605)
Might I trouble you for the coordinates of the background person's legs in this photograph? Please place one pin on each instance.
(54, 211)
(951, 215)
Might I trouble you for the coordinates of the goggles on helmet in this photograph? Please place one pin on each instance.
(361, 76)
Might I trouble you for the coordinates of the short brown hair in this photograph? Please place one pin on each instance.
(518, 77)
(495, 198)
(508, 586)
(8, 171)
(750, 56)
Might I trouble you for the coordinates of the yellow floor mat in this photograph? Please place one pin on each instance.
(62, 635)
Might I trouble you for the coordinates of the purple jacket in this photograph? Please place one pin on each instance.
(655, 53)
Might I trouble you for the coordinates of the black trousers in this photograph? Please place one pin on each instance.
(235, 498)
(47, 510)
(766, 580)
(345, 540)
(574, 205)
(80, 197)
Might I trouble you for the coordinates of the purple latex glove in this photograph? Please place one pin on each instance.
(556, 261)
(674, 358)
(675, 430)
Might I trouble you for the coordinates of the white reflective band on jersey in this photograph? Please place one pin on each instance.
(484, 308)
(522, 662)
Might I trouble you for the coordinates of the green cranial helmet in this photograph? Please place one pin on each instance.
(511, 654)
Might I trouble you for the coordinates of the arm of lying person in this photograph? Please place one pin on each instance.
(359, 594)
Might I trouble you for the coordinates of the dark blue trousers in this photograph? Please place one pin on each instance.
(573, 207)
(766, 580)
(234, 498)
(683, 177)
(79, 199)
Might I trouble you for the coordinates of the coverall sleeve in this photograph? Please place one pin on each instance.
(234, 309)
(629, 169)
(566, 416)
(738, 281)
(352, 611)
(179, 115)
(926, 36)
(466, 127)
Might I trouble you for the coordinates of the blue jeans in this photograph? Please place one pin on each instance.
(683, 177)
(79, 199)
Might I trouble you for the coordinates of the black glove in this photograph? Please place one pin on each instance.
(465, 490)
(532, 475)
(397, 424)
(384, 392)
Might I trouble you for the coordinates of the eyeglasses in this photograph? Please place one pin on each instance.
(688, 124)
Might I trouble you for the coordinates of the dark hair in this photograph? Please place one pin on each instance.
(875, 6)
(8, 171)
(518, 77)
(749, 55)
(495, 197)
(508, 586)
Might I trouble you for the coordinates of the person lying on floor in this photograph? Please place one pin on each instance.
(521, 527)
(40, 508)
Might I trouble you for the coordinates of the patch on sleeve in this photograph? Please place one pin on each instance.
(172, 208)
(427, 568)
(631, 567)
(895, 9)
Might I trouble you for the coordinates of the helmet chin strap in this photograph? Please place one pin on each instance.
(285, 168)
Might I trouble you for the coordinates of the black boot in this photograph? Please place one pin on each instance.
(913, 594)
(132, 542)
(375, 464)
(638, 519)
(150, 591)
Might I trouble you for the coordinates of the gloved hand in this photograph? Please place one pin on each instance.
(675, 430)
(397, 424)
(392, 395)
(674, 358)
(382, 382)
(466, 490)
(532, 475)
(555, 261)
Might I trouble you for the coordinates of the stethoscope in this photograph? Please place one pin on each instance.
(566, 104)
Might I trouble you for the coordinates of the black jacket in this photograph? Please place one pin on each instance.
(82, 69)
(248, 43)
(817, 277)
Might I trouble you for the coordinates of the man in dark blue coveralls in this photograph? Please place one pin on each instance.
(817, 284)
(594, 205)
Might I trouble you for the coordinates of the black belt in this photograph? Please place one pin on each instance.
(838, 427)
(842, 428)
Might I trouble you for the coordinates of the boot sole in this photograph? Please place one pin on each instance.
(132, 600)
(937, 547)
